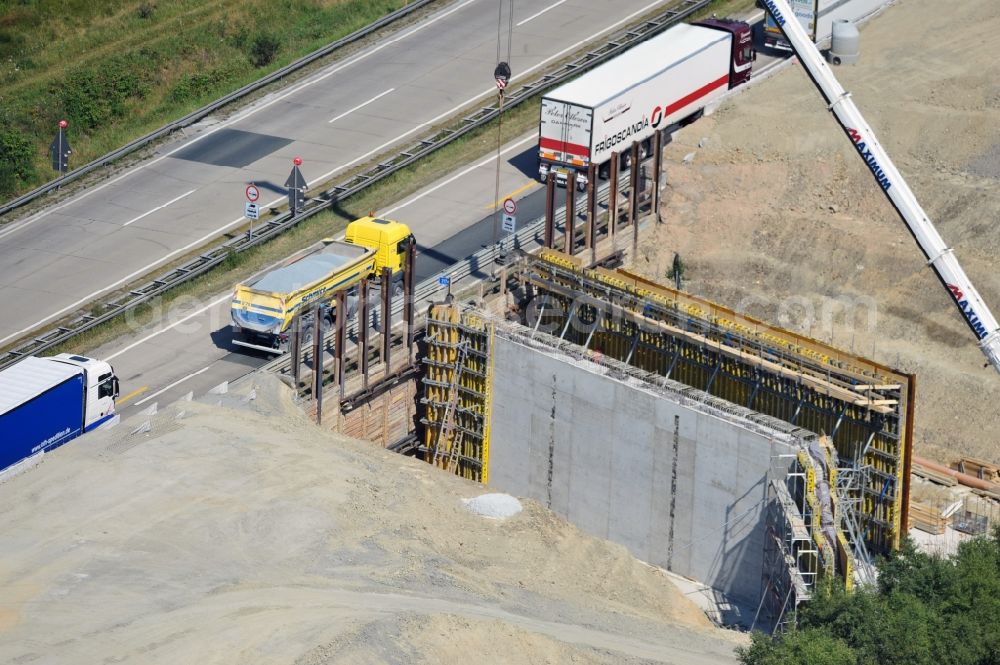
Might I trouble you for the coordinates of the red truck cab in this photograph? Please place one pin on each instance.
(743, 53)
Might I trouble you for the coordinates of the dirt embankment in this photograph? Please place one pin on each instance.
(242, 534)
(777, 215)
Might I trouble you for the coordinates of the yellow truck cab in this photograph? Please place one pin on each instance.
(264, 306)
(388, 238)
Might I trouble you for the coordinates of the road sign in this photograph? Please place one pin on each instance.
(251, 211)
(502, 75)
(295, 179)
(444, 280)
(252, 193)
(296, 185)
(60, 150)
(509, 223)
(509, 206)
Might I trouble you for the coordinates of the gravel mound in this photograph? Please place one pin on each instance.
(496, 506)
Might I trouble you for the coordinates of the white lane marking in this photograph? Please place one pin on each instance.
(170, 202)
(488, 91)
(486, 162)
(190, 316)
(241, 220)
(237, 118)
(361, 106)
(172, 385)
(534, 16)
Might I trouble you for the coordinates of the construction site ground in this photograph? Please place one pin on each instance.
(773, 212)
(242, 533)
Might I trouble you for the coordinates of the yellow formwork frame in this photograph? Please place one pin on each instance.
(448, 330)
(488, 405)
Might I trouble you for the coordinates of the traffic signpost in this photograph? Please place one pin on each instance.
(60, 149)
(296, 185)
(250, 209)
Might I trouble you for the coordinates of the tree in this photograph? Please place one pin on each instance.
(814, 646)
(926, 610)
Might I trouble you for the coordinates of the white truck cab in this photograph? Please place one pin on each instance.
(102, 387)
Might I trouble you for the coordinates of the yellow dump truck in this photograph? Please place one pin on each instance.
(264, 306)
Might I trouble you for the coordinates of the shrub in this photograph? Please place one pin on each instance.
(263, 48)
(93, 96)
(16, 160)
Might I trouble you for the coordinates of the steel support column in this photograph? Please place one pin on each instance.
(657, 169)
(570, 222)
(318, 362)
(590, 233)
(613, 199)
(550, 212)
(363, 332)
(386, 319)
(296, 351)
(338, 343)
(633, 197)
(408, 285)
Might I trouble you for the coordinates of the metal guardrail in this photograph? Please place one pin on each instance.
(197, 115)
(280, 223)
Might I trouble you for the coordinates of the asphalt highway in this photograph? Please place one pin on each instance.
(191, 350)
(58, 260)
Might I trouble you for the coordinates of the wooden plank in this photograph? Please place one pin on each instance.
(933, 476)
(927, 518)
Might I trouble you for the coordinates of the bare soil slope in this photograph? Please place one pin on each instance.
(242, 534)
(776, 214)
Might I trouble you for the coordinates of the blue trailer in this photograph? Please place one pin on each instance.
(46, 402)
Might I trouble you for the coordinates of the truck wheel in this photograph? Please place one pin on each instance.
(306, 338)
(397, 289)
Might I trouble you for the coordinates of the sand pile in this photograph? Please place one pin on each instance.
(778, 216)
(493, 505)
(241, 534)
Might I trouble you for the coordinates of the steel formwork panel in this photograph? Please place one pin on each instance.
(466, 437)
(864, 407)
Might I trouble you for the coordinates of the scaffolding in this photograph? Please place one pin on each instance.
(865, 408)
(457, 391)
(791, 560)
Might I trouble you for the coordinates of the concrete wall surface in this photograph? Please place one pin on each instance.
(681, 484)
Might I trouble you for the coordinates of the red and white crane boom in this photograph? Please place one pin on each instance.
(939, 256)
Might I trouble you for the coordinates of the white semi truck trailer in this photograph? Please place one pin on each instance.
(658, 85)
